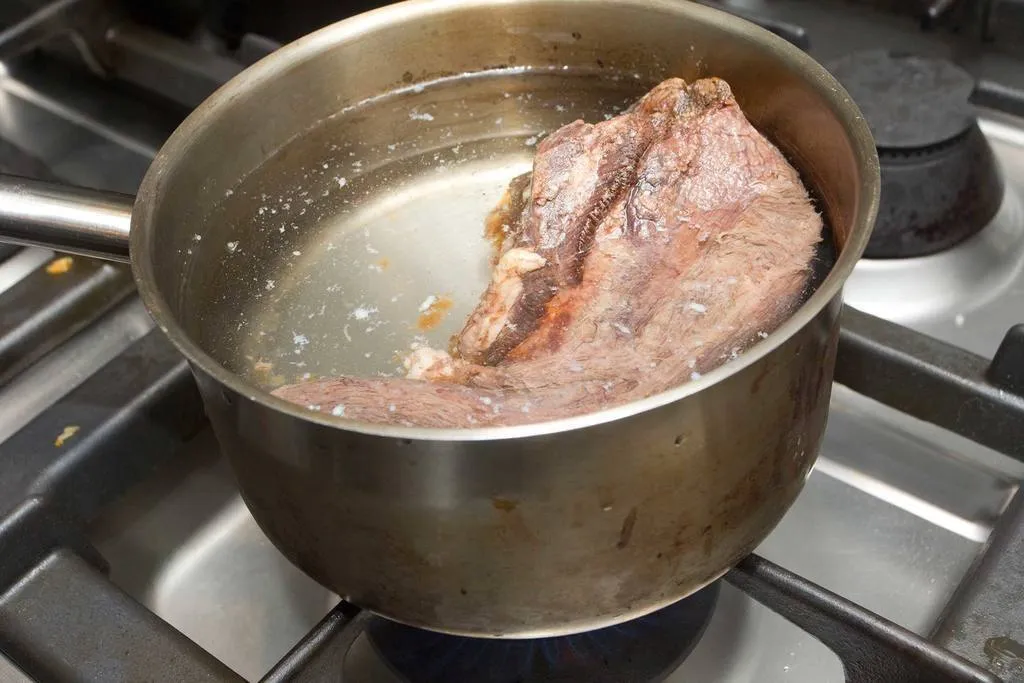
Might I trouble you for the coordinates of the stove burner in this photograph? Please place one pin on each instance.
(909, 102)
(940, 184)
(645, 650)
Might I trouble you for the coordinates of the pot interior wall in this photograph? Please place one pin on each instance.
(328, 213)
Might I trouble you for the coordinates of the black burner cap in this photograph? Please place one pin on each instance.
(909, 101)
(940, 181)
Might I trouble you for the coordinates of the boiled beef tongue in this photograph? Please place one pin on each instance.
(641, 252)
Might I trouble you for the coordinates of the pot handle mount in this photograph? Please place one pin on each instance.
(69, 219)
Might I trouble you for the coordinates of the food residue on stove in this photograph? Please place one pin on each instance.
(63, 437)
(59, 266)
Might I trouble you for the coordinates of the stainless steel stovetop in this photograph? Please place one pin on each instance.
(892, 518)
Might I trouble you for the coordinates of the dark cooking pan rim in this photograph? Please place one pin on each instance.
(315, 43)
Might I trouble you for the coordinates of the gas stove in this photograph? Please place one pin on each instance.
(126, 552)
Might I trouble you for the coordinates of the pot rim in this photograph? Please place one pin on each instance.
(409, 11)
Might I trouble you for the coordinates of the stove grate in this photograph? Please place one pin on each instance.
(145, 405)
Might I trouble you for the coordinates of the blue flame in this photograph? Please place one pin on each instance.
(644, 650)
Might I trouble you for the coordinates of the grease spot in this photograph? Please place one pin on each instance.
(627, 529)
(504, 504)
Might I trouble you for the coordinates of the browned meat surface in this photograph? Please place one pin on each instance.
(643, 251)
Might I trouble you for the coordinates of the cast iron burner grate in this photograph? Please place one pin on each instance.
(644, 650)
(61, 619)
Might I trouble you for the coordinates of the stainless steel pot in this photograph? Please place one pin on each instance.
(296, 219)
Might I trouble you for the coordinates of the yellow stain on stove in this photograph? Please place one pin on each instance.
(63, 437)
(59, 266)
